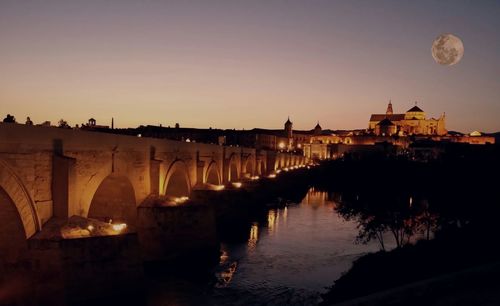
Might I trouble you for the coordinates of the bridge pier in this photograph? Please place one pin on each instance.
(63, 185)
(169, 233)
(65, 271)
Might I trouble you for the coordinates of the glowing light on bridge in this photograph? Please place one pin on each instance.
(255, 177)
(180, 200)
(272, 175)
(214, 187)
(90, 227)
(119, 227)
(281, 145)
(237, 184)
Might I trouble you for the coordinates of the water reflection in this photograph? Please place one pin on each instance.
(272, 220)
(316, 198)
(290, 255)
(254, 236)
(227, 268)
(224, 277)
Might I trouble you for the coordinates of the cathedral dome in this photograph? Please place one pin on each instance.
(415, 109)
(317, 129)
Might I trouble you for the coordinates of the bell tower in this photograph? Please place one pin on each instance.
(289, 128)
(389, 109)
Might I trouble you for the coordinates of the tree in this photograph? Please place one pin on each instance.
(380, 212)
(9, 119)
(63, 124)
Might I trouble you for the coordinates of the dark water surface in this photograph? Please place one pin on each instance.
(288, 259)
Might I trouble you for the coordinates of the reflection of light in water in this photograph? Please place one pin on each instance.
(272, 220)
(226, 276)
(223, 257)
(411, 201)
(316, 199)
(254, 236)
(272, 175)
(237, 184)
(285, 214)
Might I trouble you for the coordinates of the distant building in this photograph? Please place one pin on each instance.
(45, 123)
(413, 122)
(92, 125)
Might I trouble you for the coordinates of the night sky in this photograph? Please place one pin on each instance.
(244, 64)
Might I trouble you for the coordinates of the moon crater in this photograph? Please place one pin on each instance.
(447, 49)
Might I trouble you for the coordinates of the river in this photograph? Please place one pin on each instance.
(289, 257)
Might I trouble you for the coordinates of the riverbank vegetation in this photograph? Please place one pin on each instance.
(440, 215)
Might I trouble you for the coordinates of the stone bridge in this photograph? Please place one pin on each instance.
(48, 172)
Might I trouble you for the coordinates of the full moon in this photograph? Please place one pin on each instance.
(447, 49)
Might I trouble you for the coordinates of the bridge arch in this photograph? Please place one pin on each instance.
(261, 167)
(114, 199)
(177, 183)
(233, 171)
(277, 162)
(249, 165)
(212, 175)
(14, 193)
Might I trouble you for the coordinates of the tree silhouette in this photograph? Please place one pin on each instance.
(9, 119)
(63, 124)
(378, 213)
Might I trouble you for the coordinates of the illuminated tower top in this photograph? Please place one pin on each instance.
(389, 109)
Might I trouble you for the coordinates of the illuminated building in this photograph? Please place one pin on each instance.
(413, 122)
